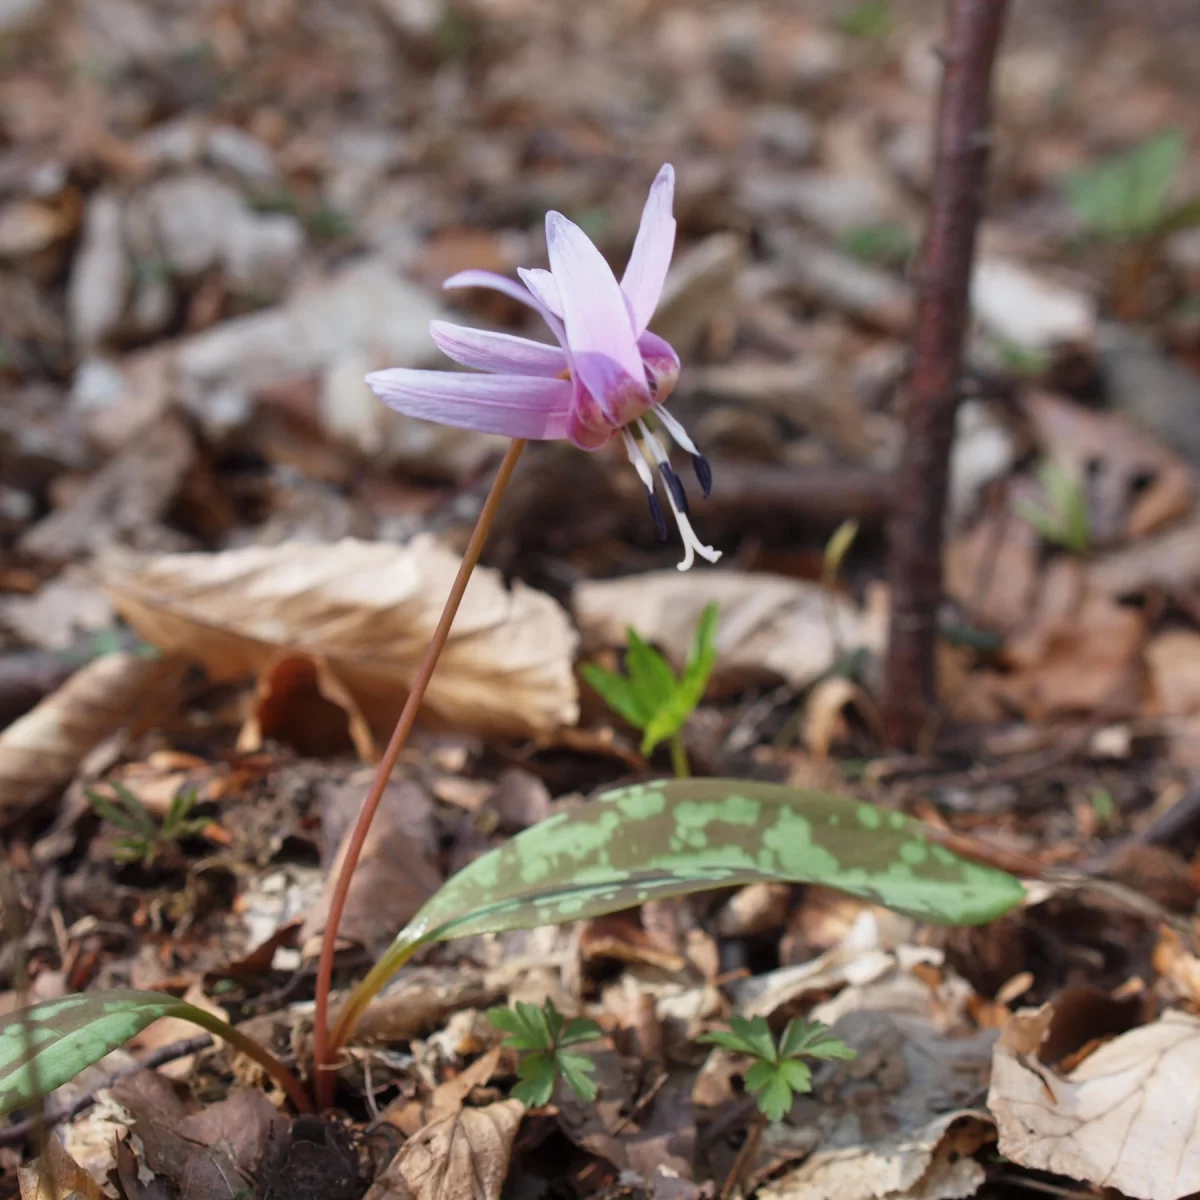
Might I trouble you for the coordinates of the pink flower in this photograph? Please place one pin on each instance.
(607, 375)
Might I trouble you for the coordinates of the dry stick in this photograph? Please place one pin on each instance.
(919, 499)
(408, 716)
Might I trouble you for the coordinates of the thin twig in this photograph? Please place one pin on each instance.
(323, 1050)
(15, 1134)
(919, 500)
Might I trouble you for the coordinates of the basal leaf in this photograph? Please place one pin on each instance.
(672, 837)
(61, 1037)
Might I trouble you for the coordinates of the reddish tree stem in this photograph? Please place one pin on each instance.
(324, 1068)
(915, 529)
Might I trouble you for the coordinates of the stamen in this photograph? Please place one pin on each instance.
(673, 482)
(637, 455)
(642, 467)
(692, 545)
(638, 459)
(699, 462)
(660, 522)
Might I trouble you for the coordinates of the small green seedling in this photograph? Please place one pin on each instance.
(1128, 196)
(869, 20)
(1063, 519)
(887, 244)
(543, 1034)
(778, 1072)
(145, 841)
(652, 697)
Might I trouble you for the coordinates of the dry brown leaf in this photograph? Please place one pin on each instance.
(1079, 652)
(1134, 485)
(363, 614)
(41, 751)
(1121, 1119)
(55, 1175)
(394, 876)
(1173, 660)
(769, 625)
(461, 1157)
(874, 1126)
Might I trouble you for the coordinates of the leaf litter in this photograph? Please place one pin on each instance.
(214, 222)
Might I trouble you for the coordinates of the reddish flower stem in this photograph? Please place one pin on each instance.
(919, 498)
(321, 1043)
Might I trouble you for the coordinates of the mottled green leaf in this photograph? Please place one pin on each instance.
(44, 1046)
(672, 837)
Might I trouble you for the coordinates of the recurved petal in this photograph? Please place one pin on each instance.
(499, 352)
(599, 332)
(513, 405)
(489, 279)
(541, 284)
(643, 280)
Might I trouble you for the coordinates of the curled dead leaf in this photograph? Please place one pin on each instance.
(41, 751)
(362, 613)
(460, 1157)
(1115, 1120)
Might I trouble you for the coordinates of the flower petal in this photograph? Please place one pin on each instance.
(541, 284)
(499, 352)
(512, 405)
(643, 280)
(600, 336)
(489, 279)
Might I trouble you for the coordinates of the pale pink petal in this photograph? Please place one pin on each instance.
(541, 284)
(513, 405)
(647, 268)
(499, 352)
(510, 287)
(600, 337)
(489, 279)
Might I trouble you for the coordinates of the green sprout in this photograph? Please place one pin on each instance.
(1063, 519)
(886, 243)
(543, 1035)
(870, 21)
(778, 1072)
(1128, 196)
(652, 697)
(145, 841)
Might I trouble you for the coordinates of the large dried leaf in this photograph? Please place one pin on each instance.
(1125, 1118)
(40, 751)
(769, 625)
(363, 613)
(461, 1157)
